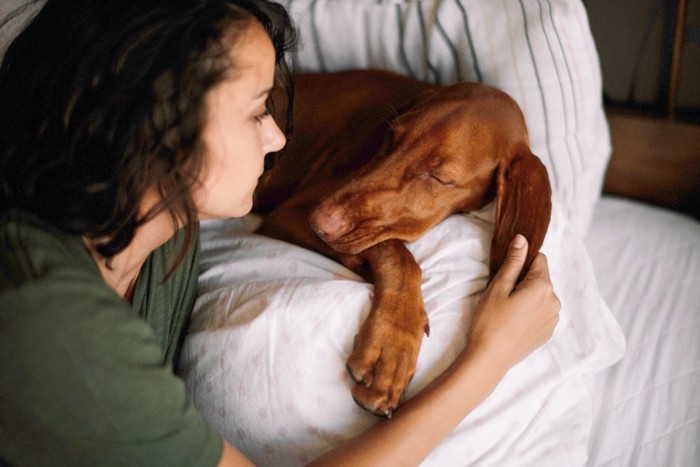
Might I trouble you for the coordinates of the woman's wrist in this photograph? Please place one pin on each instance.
(485, 363)
(490, 369)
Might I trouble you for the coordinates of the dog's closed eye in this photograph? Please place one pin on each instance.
(439, 178)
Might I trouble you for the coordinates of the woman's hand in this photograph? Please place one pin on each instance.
(512, 320)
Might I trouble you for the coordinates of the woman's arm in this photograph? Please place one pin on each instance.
(509, 323)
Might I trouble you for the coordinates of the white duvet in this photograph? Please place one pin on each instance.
(274, 324)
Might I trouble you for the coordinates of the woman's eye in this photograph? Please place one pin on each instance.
(262, 115)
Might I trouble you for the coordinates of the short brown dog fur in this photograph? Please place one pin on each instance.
(377, 159)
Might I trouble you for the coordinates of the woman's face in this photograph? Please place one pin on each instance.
(238, 131)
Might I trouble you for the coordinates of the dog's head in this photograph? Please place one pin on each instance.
(451, 151)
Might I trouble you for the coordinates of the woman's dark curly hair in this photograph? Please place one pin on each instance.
(100, 100)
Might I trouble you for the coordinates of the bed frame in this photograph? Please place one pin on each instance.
(656, 160)
(656, 146)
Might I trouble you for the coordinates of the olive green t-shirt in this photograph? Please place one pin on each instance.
(85, 377)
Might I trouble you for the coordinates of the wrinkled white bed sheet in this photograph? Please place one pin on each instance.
(647, 406)
(274, 324)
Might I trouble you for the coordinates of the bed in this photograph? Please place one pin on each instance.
(617, 384)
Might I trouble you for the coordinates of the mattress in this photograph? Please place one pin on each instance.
(646, 407)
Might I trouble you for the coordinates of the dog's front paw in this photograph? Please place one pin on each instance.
(384, 359)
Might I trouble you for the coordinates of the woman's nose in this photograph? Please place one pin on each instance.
(274, 137)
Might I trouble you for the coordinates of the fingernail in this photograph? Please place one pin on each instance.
(518, 241)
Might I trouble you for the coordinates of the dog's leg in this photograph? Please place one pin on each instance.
(386, 348)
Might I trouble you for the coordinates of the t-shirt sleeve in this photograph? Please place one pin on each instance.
(83, 382)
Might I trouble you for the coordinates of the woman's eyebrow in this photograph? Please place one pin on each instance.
(264, 93)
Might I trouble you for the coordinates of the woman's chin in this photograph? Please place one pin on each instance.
(225, 212)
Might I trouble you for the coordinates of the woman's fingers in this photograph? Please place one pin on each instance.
(507, 276)
(538, 280)
(513, 320)
(539, 267)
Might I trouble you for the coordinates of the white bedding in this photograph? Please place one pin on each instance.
(265, 360)
(647, 407)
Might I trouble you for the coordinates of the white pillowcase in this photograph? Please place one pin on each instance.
(541, 52)
(274, 324)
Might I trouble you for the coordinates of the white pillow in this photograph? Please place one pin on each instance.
(274, 324)
(541, 52)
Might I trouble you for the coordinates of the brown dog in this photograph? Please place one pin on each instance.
(376, 160)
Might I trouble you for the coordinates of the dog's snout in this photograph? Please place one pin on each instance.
(328, 221)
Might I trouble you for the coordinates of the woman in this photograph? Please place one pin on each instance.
(123, 124)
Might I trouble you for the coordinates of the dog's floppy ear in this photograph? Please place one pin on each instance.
(523, 205)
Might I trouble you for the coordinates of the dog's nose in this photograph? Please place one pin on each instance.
(328, 221)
